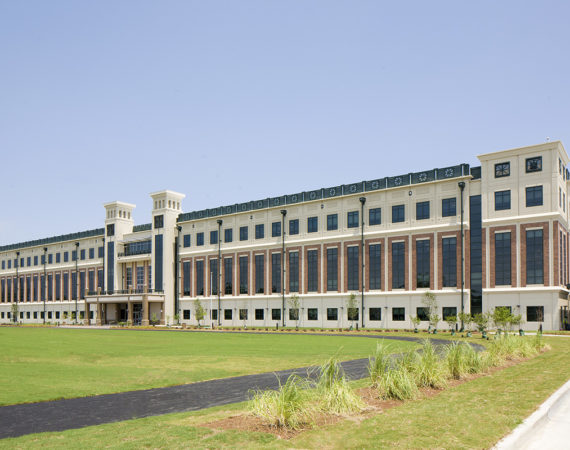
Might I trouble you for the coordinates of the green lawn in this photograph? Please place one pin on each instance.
(475, 414)
(39, 364)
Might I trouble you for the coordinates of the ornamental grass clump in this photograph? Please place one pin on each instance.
(397, 383)
(288, 407)
(462, 360)
(334, 394)
(430, 370)
(379, 363)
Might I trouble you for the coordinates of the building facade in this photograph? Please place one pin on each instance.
(478, 238)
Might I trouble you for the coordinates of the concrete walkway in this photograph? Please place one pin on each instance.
(547, 428)
(59, 415)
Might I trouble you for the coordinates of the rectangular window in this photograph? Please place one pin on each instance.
(259, 314)
(535, 313)
(375, 314)
(352, 219)
(276, 229)
(259, 274)
(65, 256)
(228, 235)
(352, 269)
(534, 164)
(186, 314)
(50, 257)
(243, 274)
(35, 261)
(332, 222)
(294, 314)
(294, 271)
(200, 277)
(90, 284)
(502, 259)
(259, 231)
(186, 278)
(449, 261)
(65, 285)
(332, 269)
(398, 265)
(312, 314)
(276, 272)
(398, 213)
(159, 221)
(158, 243)
(448, 207)
(422, 210)
(352, 313)
(57, 259)
(243, 234)
(73, 286)
(214, 277)
(312, 224)
(375, 216)
(534, 257)
(214, 314)
(448, 311)
(423, 263)
(243, 314)
(91, 253)
(423, 313)
(375, 267)
(534, 196)
(81, 285)
(332, 313)
(312, 271)
(227, 314)
(502, 200)
(82, 255)
(275, 314)
(100, 279)
(186, 240)
(228, 276)
(100, 252)
(502, 169)
(214, 237)
(200, 238)
(294, 226)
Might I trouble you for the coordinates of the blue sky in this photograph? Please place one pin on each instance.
(230, 101)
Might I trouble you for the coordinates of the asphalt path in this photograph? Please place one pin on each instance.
(59, 415)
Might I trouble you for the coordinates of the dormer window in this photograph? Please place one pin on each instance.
(534, 164)
(502, 169)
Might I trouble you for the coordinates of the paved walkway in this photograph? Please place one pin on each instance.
(59, 415)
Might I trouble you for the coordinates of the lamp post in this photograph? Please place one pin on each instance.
(283, 214)
(17, 286)
(219, 270)
(362, 202)
(177, 272)
(45, 282)
(461, 185)
(76, 277)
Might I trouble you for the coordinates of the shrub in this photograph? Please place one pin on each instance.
(287, 407)
(398, 384)
(379, 363)
(334, 393)
(430, 371)
(462, 359)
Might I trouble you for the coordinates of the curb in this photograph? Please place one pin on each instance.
(528, 427)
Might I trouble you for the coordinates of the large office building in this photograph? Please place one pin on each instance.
(476, 237)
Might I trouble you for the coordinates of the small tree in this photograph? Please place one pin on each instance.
(295, 305)
(516, 321)
(153, 319)
(502, 316)
(415, 321)
(467, 320)
(482, 321)
(352, 308)
(430, 302)
(451, 322)
(199, 311)
(177, 318)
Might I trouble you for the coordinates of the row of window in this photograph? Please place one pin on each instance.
(50, 315)
(533, 198)
(352, 220)
(58, 286)
(533, 314)
(533, 164)
(41, 259)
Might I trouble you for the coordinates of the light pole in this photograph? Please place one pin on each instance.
(283, 214)
(362, 202)
(17, 287)
(45, 282)
(177, 273)
(461, 185)
(219, 270)
(76, 277)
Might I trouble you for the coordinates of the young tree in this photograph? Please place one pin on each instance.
(295, 305)
(14, 312)
(352, 308)
(415, 321)
(199, 311)
(430, 302)
(451, 322)
(467, 320)
(502, 316)
(482, 321)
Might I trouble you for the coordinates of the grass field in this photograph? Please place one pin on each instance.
(475, 414)
(40, 364)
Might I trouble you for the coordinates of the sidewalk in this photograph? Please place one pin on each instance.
(547, 428)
